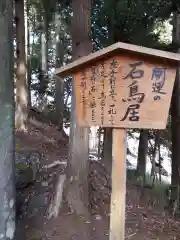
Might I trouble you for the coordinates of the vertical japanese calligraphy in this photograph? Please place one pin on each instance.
(132, 112)
(102, 92)
(83, 85)
(92, 93)
(112, 79)
(112, 92)
(158, 80)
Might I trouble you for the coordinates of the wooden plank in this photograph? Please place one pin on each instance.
(117, 48)
(118, 195)
(125, 92)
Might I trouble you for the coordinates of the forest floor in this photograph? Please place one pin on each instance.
(33, 224)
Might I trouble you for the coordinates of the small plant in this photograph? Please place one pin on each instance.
(17, 147)
(21, 166)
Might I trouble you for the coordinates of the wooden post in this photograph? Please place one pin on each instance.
(123, 86)
(118, 195)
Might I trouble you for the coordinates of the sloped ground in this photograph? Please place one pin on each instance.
(33, 224)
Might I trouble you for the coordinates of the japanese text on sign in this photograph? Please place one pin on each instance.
(122, 92)
(132, 111)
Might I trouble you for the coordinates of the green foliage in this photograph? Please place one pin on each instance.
(129, 21)
(138, 22)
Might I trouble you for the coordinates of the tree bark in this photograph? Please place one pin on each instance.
(160, 162)
(59, 102)
(44, 69)
(175, 114)
(99, 143)
(153, 158)
(21, 83)
(59, 85)
(77, 188)
(142, 153)
(107, 151)
(7, 166)
(28, 57)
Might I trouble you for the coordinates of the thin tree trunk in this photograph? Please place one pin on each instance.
(7, 167)
(29, 68)
(160, 163)
(43, 72)
(107, 153)
(102, 154)
(175, 124)
(153, 157)
(77, 187)
(142, 154)
(30, 50)
(99, 142)
(21, 83)
(59, 85)
(59, 102)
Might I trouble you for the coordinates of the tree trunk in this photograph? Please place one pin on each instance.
(153, 158)
(77, 188)
(7, 167)
(160, 163)
(21, 83)
(107, 152)
(59, 102)
(99, 143)
(142, 153)
(175, 124)
(43, 71)
(29, 68)
(59, 85)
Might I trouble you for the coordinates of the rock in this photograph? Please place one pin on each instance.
(37, 205)
(98, 217)
(28, 157)
(27, 165)
(38, 201)
(19, 205)
(24, 175)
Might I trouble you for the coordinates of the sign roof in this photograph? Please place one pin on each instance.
(112, 50)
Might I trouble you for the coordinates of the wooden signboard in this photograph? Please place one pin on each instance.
(122, 86)
(124, 92)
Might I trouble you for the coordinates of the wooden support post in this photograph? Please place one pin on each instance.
(118, 195)
(155, 71)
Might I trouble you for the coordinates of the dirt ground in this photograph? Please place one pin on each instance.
(33, 223)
